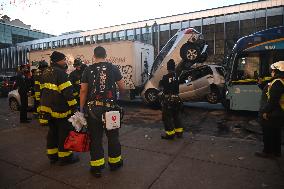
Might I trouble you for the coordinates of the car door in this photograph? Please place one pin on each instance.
(203, 77)
(186, 89)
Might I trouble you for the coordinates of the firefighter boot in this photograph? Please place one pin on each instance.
(116, 166)
(168, 137)
(69, 160)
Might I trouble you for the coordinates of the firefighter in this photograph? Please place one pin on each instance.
(98, 92)
(272, 113)
(37, 81)
(75, 77)
(23, 85)
(171, 103)
(57, 104)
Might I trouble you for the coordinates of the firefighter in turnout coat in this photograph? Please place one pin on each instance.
(171, 103)
(57, 104)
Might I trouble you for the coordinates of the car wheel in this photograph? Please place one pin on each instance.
(151, 96)
(213, 97)
(190, 52)
(14, 105)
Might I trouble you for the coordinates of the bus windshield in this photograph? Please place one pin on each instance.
(162, 54)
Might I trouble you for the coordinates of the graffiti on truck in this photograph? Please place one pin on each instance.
(126, 72)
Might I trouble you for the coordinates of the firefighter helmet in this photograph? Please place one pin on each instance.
(77, 62)
(278, 66)
(42, 64)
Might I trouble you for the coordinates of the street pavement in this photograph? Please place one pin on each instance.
(196, 161)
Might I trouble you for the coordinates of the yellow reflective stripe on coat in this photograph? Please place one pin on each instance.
(281, 101)
(43, 121)
(62, 86)
(76, 94)
(55, 114)
(77, 82)
(37, 83)
(170, 132)
(179, 130)
(64, 154)
(49, 86)
(98, 162)
(52, 151)
(245, 81)
(114, 160)
(72, 102)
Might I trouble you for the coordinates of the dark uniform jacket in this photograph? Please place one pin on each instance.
(170, 84)
(57, 100)
(75, 78)
(23, 84)
(275, 103)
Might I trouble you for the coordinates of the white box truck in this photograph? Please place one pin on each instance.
(133, 58)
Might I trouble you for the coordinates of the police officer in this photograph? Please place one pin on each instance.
(37, 83)
(57, 104)
(171, 103)
(23, 85)
(98, 92)
(272, 113)
(75, 77)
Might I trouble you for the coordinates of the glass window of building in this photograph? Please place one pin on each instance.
(185, 24)
(50, 44)
(138, 34)
(100, 38)
(130, 34)
(107, 37)
(274, 17)
(54, 44)
(232, 17)
(63, 42)
(260, 21)
(93, 38)
(88, 39)
(40, 46)
(81, 40)
(247, 23)
(174, 28)
(164, 34)
(146, 34)
(114, 36)
(121, 35)
(196, 24)
(45, 45)
(70, 41)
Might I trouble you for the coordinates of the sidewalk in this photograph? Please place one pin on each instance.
(197, 162)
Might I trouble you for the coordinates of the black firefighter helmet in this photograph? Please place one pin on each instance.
(77, 62)
(42, 64)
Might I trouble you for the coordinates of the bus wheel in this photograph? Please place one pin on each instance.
(190, 52)
(151, 96)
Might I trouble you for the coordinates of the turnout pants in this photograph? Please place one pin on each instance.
(24, 106)
(272, 137)
(171, 120)
(96, 129)
(57, 133)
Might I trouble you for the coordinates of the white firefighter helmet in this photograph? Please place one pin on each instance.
(278, 66)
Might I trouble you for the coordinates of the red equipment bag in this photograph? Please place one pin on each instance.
(77, 142)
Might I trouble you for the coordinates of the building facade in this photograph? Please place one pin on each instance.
(15, 32)
(221, 28)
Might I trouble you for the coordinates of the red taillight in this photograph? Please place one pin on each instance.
(188, 31)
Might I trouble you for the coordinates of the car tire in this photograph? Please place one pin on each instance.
(151, 96)
(13, 104)
(213, 97)
(190, 52)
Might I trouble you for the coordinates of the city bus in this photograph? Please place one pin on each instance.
(249, 60)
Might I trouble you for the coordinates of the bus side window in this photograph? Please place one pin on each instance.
(248, 67)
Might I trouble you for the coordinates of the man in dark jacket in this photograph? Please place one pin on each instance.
(57, 104)
(171, 103)
(272, 112)
(75, 77)
(98, 92)
(23, 85)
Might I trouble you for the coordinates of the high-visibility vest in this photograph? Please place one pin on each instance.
(281, 102)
